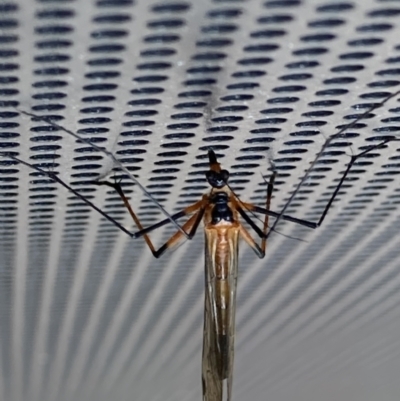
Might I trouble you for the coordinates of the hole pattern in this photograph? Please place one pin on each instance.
(217, 70)
(9, 137)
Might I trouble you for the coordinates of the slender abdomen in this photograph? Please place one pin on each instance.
(222, 250)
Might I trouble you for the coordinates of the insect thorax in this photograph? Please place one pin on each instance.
(221, 210)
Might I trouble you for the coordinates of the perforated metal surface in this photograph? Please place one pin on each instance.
(88, 314)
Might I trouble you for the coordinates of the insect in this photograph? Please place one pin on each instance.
(221, 212)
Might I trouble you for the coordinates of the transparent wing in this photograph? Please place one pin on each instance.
(233, 240)
(211, 365)
(219, 314)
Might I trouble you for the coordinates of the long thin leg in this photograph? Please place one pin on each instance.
(270, 188)
(190, 209)
(257, 209)
(251, 242)
(306, 223)
(325, 145)
(191, 225)
(110, 155)
(258, 249)
(240, 205)
(54, 177)
(352, 161)
(142, 231)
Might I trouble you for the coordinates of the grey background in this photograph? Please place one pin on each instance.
(86, 313)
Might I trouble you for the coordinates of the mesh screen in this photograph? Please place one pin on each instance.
(86, 313)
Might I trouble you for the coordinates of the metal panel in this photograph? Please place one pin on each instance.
(86, 313)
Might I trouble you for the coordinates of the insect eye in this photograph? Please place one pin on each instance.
(217, 179)
(225, 175)
(210, 176)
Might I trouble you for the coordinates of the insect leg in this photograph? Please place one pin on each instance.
(324, 146)
(191, 225)
(251, 242)
(108, 154)
(306, 223)
(55, 178)
(352, 161)
(258, 249)
(257, 209)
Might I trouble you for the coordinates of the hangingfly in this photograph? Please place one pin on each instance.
(222, 230)
(221, 212)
